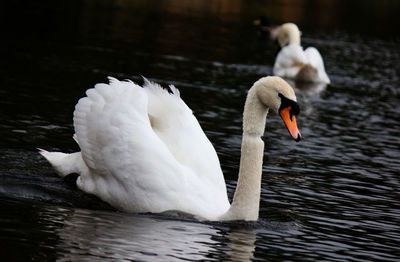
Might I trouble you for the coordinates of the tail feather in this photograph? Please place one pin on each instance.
(65, 164)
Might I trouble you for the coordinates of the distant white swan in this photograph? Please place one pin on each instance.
(295, 63)
(142, 150)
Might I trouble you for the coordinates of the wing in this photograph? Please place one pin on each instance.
(289, 61)
(315, 59)
(173, 121)
(141, 146)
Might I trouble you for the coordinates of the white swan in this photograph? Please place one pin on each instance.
(295, 63)
(142, 150)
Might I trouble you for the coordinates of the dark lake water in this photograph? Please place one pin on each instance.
(335, 196)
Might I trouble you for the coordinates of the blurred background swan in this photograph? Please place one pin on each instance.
(295, 63)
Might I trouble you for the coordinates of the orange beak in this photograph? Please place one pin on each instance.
(290, 122)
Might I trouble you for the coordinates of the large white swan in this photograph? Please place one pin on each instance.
(295, 63)
(142, 150)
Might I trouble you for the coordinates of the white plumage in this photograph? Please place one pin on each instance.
(142, 150)
(124, 129)
(295, 63)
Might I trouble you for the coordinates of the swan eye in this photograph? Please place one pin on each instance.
(286, 102)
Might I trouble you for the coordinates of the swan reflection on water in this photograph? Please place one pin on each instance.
(88, 234)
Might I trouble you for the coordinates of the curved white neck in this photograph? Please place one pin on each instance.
(294, 36)
(288, 34)
(246, 201)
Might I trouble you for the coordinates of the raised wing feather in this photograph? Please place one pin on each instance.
(173, 121)
(289, 61)
(315, 59)
(145, 150)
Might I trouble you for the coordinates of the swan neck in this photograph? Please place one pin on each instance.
(289, 34)
(294, 37)
(255, 113)
(246, 200)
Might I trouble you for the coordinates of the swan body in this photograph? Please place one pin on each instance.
(295, 63)
(142, 150)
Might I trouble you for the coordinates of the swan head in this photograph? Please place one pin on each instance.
(288, 33)
(277, 95)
